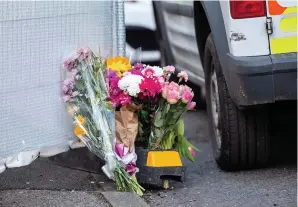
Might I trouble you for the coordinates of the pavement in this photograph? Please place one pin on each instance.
(44, 184)
(75, 179)
(69, 179)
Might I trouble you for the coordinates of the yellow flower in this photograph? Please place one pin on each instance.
(78, 131)
(118, 64)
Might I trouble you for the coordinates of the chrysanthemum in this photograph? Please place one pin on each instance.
(130, 84)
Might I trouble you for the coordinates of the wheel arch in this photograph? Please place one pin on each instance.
(202, 27)
(208, 18)
(161, 34)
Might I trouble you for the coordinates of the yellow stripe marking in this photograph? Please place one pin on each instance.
(290, 10)
(283, 45)
(289, 24)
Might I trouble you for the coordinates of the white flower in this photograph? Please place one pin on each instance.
(158, 71)
(130, 84)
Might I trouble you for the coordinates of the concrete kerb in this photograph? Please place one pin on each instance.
(115, 198)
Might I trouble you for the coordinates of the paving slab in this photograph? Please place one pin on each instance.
(48, 198)
(41, 175)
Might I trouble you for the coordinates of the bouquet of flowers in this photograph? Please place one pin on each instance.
(87, 96)
(161, 104)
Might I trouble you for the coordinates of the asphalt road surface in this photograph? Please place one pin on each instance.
(207, 185)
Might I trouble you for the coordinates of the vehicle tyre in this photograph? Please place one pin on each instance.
(240, 138)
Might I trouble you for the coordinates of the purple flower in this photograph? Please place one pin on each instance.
(68, 83)
(67, 87)
(84, 53)
(66, 98)
(139, 66)
(69, 64)
(74, 73)
(131, 168)
(110, 74)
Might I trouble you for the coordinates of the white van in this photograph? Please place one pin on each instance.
(243, 54)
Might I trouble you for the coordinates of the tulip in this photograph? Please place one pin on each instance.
(164, 92)
(187, 96)
(173, 97)
(191, 105)
(192, 151)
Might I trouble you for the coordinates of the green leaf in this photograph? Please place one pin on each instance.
(157, 133)
(144, 114)
(168, 107)
(158, 115)
(80, 85)
(180, 128)
(182, 147)
(108, 105)
(158, 123)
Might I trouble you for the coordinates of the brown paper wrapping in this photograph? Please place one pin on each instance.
(127, 125)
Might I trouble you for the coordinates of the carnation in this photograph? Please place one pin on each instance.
(170, 69)
(69, 64)
(158, 71)
(130, 84)
(150, 87)
(183, 75)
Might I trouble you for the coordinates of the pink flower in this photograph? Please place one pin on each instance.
(69, 64)
(183, 75)
(181, 89)
(131, 168)
(75, 93)
(84, 53)
(161, 80)
(171, 92)
(74, 73)
(121, 100)
(173, 86)
(170, 69)
(187, 96)
(173, 96)
(150, 87)
(66, 98)
(67, 86)
(165, 90)
(148, 72)
(192, 152)
(72, 110)
(119, 149)
(67, 90)
(191, 105)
